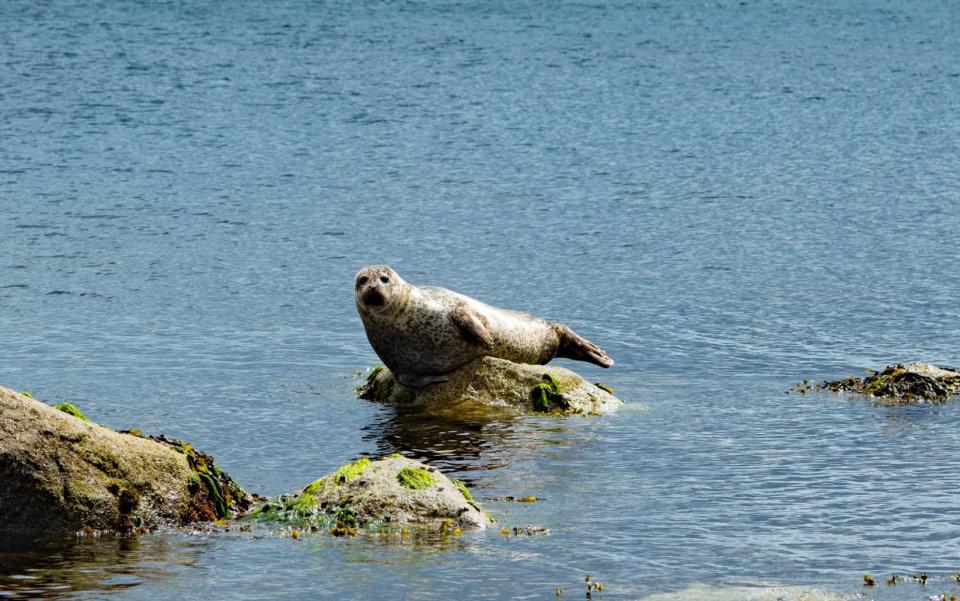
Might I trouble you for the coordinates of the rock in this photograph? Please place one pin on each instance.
(392, 491)
(903, 383)
(490, 383)
(59, 472)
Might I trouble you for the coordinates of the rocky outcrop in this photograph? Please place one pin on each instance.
(491, 383)
(59, 472)
(903, 383)
(390, 492)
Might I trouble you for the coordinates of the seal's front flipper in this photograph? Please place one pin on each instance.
(420, 381)
(573, 346)
(472, 326)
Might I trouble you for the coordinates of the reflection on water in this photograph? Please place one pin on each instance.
(34, 567)
(817, 488)
(459, 445)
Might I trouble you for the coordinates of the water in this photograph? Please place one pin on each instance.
(728, 197)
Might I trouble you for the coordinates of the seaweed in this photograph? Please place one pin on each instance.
(70, 409)
(462, 488)
(900, 383)
(384, 388)
(304, 509)
(546, 396)
(416, 478)
(351, 470)
(448, 527)
(403, 394)
(603, 387)
(214, 495)
(128, 500)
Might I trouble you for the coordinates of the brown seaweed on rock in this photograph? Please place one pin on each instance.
(214, 494)
(62, 473)
(903, 383)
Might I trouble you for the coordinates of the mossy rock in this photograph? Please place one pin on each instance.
(903, 383)
(491, 384)
(62, 473)
(390, 492)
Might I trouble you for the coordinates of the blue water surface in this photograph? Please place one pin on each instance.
(727, 196)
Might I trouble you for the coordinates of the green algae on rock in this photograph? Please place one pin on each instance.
(417, 478)
(547, 396)
(390, 492)
(902, 383)
(490, 384)
(350, 470)
(462, 488)
(60, 473)
(69, 409)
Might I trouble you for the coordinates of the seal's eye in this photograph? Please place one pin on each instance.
(384, 279)
(362, 280)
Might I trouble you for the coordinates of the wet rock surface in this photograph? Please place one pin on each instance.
(388, 492)
(490, 383)
(60, 472)
(903, 383)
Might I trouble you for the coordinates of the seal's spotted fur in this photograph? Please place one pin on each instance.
(423, 333)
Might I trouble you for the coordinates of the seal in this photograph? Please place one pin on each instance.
(422, 333)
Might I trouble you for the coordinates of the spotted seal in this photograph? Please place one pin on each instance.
(422, 333)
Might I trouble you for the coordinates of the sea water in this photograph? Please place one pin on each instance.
(728, 197)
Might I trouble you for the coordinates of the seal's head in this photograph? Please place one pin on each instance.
(378, 289)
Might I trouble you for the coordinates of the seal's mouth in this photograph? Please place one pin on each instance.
(373, 298)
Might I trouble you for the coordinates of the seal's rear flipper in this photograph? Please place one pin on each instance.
(573, 346)
(420, 381)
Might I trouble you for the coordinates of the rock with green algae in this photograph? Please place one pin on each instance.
(392, 491)
(61, 473)
(903, 383)
(489, 383)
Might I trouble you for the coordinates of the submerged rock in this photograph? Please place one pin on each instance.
(393, 491)
(489, 382)
(755, 592)
(903, 383)
(59, 472)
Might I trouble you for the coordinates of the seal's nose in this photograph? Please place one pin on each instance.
(372, 297)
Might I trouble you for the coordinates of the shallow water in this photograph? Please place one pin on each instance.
(727, 197)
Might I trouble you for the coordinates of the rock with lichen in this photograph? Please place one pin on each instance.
(492, 383)
(60, 472)
(390, 492)
(903, 383)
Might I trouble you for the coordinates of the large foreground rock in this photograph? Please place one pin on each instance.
(489, 383)
(392, 491)
(903, 383)
(60, 473)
